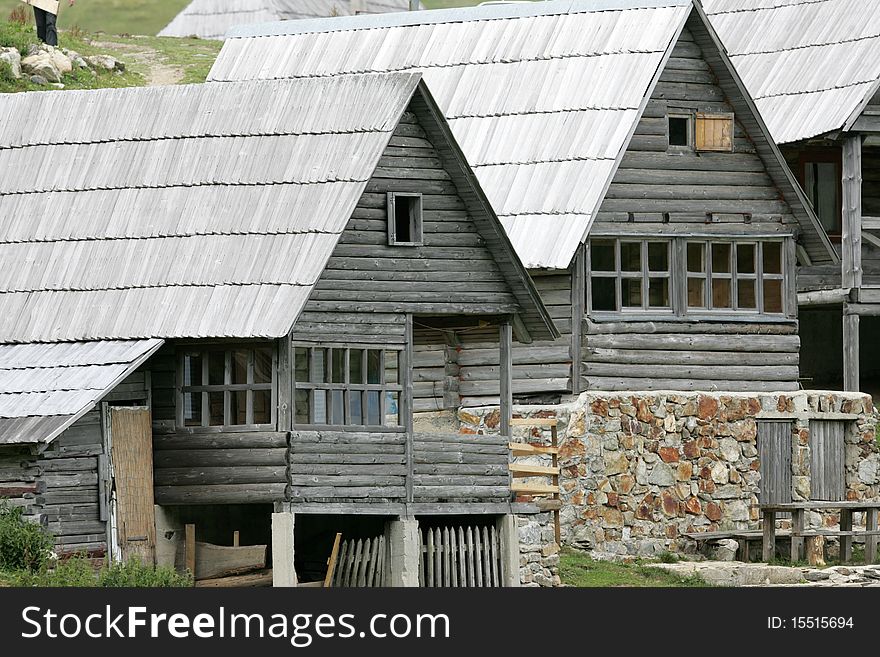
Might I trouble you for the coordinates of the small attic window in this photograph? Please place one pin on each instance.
(714, 132)
(404, 219)
(680, 130)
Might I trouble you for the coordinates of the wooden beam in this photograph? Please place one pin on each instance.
(406, 380)
(190, 549)
(544, 422)
(823, 297)
(526, 469)
(578, 301)
(533, 489)
(850, 352)
(520, 449)
(505, 335)
(284, 384)
(851, 231)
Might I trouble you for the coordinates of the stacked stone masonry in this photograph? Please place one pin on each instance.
(640, 470)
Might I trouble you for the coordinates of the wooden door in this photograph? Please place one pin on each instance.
(827, 469)
(131, 436)
(774, 449)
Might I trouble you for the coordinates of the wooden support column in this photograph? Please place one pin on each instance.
(505, 336)
(871, 539)
(407, 402)
(851, 253)
(797, 534)
(846, 535)
(578, 301)
(769, 548)
(285, 395)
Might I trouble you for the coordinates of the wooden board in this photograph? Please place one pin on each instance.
(827, 471)
(52, 6)
(132, 455)
(212, 561)
(774, 445)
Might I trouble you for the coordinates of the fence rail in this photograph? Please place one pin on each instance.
(361, 563)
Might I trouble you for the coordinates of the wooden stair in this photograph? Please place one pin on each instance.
(521, 473)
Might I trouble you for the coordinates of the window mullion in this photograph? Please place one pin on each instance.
(643, 253)
(734, 284)
(759, 275)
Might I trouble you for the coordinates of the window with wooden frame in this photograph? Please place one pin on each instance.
(680, 130)
(404, 219)
(713, 132)
(630, 274)
(222, 386)
(347, 386)
(685, 276)
(736, 276)
(820, 177)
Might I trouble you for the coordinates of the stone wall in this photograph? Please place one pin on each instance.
(538, 550)
(639, 470)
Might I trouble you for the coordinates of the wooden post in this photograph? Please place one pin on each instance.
(285, 385)
(506, 348)
(797, 531)
(578, 301)
(407, 403)
(236, 538)
(845, 540)
(769, 535)
(190, 548)
(851, 253)
(871, 540)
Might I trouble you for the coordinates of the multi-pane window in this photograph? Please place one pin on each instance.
(718, 276)
(630, 274)
(223, 387)
(347, 386)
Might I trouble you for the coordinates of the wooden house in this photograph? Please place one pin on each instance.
(814, 71)
(211, 295)
(212, 19)
(631, 171)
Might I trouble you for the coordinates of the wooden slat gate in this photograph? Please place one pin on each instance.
(827, 468)
(360, 563)
(774, 448)
(462, 556)
(132, 458)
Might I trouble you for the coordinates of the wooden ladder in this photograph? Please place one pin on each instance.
(521, 471)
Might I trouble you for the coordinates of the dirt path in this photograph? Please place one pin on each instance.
(147, 61)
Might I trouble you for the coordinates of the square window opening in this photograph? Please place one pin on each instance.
(404, 219)
(679, 131)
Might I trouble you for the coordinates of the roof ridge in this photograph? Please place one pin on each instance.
(482, 12)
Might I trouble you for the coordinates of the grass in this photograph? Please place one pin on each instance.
(193, 57)
(580, 570)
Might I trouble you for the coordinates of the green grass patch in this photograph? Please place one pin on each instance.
(80, 572)
(111, 16)
(580, 570)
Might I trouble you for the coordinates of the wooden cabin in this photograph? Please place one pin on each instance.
(822, 105)
(630, 170)
(212, 294)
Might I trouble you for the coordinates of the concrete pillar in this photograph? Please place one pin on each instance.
(283, 572)
(403, 552)
(509, 535)
(169, 534)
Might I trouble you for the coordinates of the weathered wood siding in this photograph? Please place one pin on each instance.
(827, 460)
(774, 446)
(336, 465)
(368, 286)
(220, 468)
(656, 192)
(460, 467)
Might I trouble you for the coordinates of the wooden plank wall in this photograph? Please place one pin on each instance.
(71, 469)
(368, 286)
(774, 449)
(827, 464)
(723, 355)
(460, 467)
(220, 468)
(339, 466)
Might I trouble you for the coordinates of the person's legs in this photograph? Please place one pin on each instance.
(40, 18)
(51, 30)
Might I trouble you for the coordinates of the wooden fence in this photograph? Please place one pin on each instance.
(459, 556)
(361, 562)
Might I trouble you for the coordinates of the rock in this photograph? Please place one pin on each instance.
(707, 408)
(669, 454)
(76, 59)
(730, 449)
(868, 471)
(736, 510)
(815, 575)
(691, 449)
(12, 58)
(60, 60)
(661, 475)
(692, 505)
(725, 549)
(625, 484)
(38, 79)
(616, 463)
(719, 473)
(105, 63)
(41, 64)
(713, 512)
(670, 504)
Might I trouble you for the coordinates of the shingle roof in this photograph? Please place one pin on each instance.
(534, 92)
(811, 65)
(212, 19)
(44, 388)
(192, 211)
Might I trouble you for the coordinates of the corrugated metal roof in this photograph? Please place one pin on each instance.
(541, 96)
(811, 65)
(193, 211)
(44, 388)
(212, 19)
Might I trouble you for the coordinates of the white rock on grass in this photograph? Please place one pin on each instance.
(105, 63)
(12, 58)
